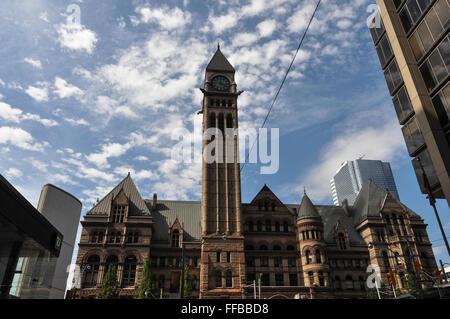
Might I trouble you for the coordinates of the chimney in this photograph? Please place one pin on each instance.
(155, 200)
(346, 208)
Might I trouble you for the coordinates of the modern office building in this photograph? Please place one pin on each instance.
(352, 175)
(29, 247)
(413, 45)
(63, 210)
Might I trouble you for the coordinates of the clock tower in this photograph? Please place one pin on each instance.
(222, 268)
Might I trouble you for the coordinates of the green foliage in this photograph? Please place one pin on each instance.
(411, 284)
(109, 286)
(188, 283)
(147, 287)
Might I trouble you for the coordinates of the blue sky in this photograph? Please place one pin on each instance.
(82, 104)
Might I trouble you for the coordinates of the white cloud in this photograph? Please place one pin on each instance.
(108, 151)
(14, 115)
(44, 16)
(39, 94)
(20, 138)
(267, 27)
(35, 63)
(142, 158)
(64, 89)
(75, 36)
(78, 122)
(39, 165)
(13, 172)
(167, 18)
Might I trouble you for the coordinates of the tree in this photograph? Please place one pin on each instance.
(411, 284)
(147, 287)
(109, 286)
(188, 283)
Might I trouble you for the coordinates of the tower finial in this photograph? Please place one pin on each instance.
(218, 45)
(304, 190)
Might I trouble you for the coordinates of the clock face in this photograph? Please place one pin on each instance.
(220, 83)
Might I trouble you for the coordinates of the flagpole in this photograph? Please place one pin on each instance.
(432, 200)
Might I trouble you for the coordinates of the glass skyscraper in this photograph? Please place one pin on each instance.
(352, 175)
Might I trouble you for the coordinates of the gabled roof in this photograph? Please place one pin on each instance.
(137, 204)
(368, 202)
(267, 194)
(219, 63)
(307, 209)
(189, 215)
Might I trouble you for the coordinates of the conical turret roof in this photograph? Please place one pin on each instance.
(219, 63)
(307, 209)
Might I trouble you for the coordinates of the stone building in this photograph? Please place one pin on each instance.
(294, 250)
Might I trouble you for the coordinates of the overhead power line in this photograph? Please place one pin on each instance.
(284, 80)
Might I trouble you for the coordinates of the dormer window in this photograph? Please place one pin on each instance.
(341, 240)
(118, 213)
(176, 239)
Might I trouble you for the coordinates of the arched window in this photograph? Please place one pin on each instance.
(337, 283)
(386, 260)
(91, 272)
(268, 225)
(229, 279)
(176, 238)
(221, 122)
(263, 247)
(118, 213)
(308, 257)
(318, 257)
(349, 283)
(342, 244)
(111, 261)
(285, 227)
(311, 278)
(129, 271)
(276, 247)
(218, 279)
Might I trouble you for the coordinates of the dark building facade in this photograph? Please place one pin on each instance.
(413, 45)
(300, 250)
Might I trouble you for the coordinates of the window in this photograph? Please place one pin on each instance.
(162, 261)
(308, 257)
(229, 121)
(413, 136)
(279, 280)
(386, 260)
(321, 279)
(265, 280)
(411, 13)
(111, 261)
(393, 76)
(263, 247)
(397, 258)
(293, 281)
(290, 248)
(228, 257)
(276, 247)
(250, 226)
(441, 102)
(362, 283)
(249, 247)
(176, 238)
(218, 257)
(341, 239)
(259, 226)
(425, 159)
(292, 262)
(311, 278)
(435, 69)
(337, 283)
(129, 271)
(194, 261)
(161, 281)
(285, 227)
(349, 283)
(402, 105)
(384, 50)
(251, 278)
(277, 226)
(118, 213)
(318, 257)
(114, 237)
(278, 262)
(218, 279)
(268, 226)
(264, 261)
(133, 237)
(91, 271)
(229, 279)
(250, 261)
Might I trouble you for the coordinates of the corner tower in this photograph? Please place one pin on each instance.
(222, 269)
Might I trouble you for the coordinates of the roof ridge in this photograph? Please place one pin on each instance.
(112, 190)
